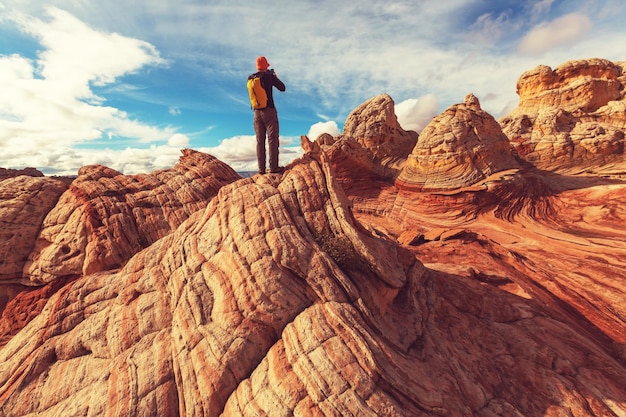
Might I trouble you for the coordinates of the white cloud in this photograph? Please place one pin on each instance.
(178, 140)
(329, 127)
(487, 29)
(238, 149)
(541, 7)
(67, 160)
(405, 49)
(565, 30)
(79, 56)
(48, 104)
(415, 114)
(240, 152)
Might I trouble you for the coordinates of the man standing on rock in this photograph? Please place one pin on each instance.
(265, 114)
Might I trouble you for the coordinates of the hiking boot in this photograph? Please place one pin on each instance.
(278, 170)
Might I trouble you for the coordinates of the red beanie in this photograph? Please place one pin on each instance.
(262, 64)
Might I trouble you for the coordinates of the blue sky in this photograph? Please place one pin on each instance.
(127, 84)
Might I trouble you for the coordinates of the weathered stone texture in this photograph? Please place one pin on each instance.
(457, 149)
(571, 118)
(104, 218)
(327, 290)
(189, 318)
(24, 202)
(373, 142)
(11, 173)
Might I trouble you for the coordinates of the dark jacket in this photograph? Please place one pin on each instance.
(269, 80)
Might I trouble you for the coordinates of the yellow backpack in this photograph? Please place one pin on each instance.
(258, 96)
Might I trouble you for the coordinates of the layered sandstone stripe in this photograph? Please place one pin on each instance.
(499, 298)
(105, 217)
(274, 300)
(571, 118)
(24, 203)
(58, 229)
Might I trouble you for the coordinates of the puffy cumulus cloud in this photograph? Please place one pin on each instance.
(67, 160)
(415, 114)
(565, 30)
(240, 152)
(80, 55)
(178, 140)
(48, 103)
(329, 127)
(174, 111)
(236, 150)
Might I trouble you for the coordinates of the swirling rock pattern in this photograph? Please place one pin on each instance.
(274, 300)
(187, 320)
(105, 217)
(458, 148)
(326, 290)
(24, 202)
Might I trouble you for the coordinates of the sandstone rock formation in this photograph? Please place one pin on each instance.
(372, 142)
(319, 293)
(59, 229)
(274, 300)
(187, 321)
(105, 217)
(24, 202)
(571, 118)
(11, 173)
(458, 148)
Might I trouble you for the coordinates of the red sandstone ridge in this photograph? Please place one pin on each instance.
(52, 230)
(24, 202)
(275, 300)
(460, 147)
(10, 173)
(373, 142)
(328, 290)
(571, 118)
(105, 217)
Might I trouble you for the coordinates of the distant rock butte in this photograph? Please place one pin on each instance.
(11, 173)
(337, 288)
(458, 148)
(571, 118)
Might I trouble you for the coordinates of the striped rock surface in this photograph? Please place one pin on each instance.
(274, 300)
(58, 229)
(105, 217)
(372, 143)
(24, 203)
(571, 118)
(458, 148)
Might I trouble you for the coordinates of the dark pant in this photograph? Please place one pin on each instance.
(266, 124)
